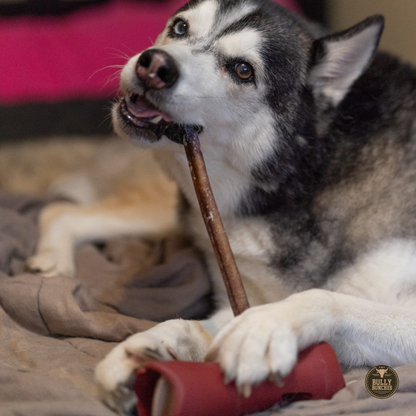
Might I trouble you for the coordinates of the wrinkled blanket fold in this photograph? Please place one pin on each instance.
(53, 331)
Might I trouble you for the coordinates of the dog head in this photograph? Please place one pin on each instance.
(216, 64)
(247, 74)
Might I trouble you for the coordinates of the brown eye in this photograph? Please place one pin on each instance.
(244, 71)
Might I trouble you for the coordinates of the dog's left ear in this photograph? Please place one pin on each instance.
(338, 60)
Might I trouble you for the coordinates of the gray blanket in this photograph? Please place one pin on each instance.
(54, 331)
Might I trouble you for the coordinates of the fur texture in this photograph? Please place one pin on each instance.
(311, 163)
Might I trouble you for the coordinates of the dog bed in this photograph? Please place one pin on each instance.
(54, 331)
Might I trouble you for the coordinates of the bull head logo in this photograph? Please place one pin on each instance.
(382, 372)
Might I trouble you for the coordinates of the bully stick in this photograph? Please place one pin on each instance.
(213, 223)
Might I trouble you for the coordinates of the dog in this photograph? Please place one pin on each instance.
(309, 140)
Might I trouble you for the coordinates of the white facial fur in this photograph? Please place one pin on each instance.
(238, 128)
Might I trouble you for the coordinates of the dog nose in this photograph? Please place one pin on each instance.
(157, 69)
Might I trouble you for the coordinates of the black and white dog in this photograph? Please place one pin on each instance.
(310, 144)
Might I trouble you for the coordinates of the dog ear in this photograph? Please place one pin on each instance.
(338, 60)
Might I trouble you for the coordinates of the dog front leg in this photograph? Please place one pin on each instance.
(264, 341)
(64, 226)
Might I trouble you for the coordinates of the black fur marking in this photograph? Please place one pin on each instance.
(377, 19)
(253, 20)
(227, 6)
(369, 111)
(288, 178)
(190, 5)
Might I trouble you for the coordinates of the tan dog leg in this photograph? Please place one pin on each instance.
(63, 226)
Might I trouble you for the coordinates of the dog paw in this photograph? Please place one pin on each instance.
(49, 263)
(176, 339)
(55, 249)
(260, 344)
(115, 374)
(263, 342)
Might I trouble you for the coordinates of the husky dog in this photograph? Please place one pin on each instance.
(310, 144)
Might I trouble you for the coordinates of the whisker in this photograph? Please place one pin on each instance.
(130, 50)
(120, 53)
(113, 77)
(120, 67)
(106, 119)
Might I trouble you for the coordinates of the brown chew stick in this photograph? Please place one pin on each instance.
(214, 225)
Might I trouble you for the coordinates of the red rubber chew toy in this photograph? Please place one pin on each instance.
(174, 388)
(198, 389)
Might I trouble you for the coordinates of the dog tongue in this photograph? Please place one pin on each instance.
(141, 108)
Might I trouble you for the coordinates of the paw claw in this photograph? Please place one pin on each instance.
(123, 400)
(245, 389)
(277, 379)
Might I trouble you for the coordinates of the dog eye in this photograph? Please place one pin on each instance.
(244, 71)
(180, 27)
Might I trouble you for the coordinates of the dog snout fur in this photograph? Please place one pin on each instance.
(157, 69)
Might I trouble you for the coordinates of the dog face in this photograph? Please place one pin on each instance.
(225, 66)
(250, 76)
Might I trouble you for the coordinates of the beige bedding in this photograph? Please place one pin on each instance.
(54, 331)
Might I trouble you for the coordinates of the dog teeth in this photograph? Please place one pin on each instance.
(156, 120)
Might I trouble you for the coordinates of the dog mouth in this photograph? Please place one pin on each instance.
(144, 117)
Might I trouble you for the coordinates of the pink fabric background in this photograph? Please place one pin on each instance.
(57, 58)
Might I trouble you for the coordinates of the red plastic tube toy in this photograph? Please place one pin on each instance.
(174, 388)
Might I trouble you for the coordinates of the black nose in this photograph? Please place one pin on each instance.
(157, 69)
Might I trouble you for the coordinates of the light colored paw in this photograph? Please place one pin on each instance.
(115, 374)
(55, 250)
(50, 263)
(264, 341)
(260, 344)
(176, 339)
